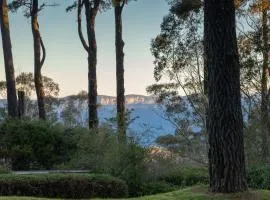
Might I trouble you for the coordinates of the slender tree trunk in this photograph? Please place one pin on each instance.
(37, 61)
(265, 127)
(119, 45)
(90, 14)
(8, 59)
(21, 103)
(225, 121)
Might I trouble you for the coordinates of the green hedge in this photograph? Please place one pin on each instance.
(63, 186)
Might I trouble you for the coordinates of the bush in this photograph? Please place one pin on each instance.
(34, 144)
(259, 177)
(102, 153)
(131, 167)
(186, 177)
(93, 149)
(150, 188)
(63, 186)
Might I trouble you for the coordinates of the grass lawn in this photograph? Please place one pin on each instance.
(194, 193)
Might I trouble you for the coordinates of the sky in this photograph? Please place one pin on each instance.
(66, 61)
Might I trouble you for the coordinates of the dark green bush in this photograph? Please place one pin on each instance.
(186, 177)
(34, 144)
(150, 188)
(63, 186)
(259, 177)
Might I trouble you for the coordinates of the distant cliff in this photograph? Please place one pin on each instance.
(130, 99)
(111, 100)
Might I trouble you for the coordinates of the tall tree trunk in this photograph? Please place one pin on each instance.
(119, 46)
(21, 104)
(90, 14)
(225, 122)
(37, 60)
(265, 128)
(8, 59)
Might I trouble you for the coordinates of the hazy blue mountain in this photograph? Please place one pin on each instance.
(149, 122)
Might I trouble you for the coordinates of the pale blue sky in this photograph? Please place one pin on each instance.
(66, 59)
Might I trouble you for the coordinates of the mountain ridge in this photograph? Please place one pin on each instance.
(111, 100)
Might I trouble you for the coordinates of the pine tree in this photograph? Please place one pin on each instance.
(225, 122)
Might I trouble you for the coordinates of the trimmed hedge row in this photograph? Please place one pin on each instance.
(63, 186)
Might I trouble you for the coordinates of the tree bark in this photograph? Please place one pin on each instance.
(38, 62)
(265, 126)
(225, 122)
(8, 59)
(21, 103)
(119, 46)
(90, 13)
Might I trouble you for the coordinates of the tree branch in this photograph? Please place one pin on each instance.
(123, 4)
(43, 52)
(80, 4)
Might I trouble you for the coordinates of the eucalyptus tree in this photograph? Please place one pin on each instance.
(32, 10)
(262, 7)
(8, 60)
(25, 82)
(91, 7)
(120, 83)
(254, 15)
(179, 69)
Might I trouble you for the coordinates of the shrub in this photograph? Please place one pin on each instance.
(259, 177)
(150, 188)
(102, 153)
(93, 149)
(63, 186)
(131, 167)
(34, 144)
(186, 177)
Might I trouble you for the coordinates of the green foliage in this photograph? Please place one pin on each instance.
(63, 186)
(259, 177)
(150, 188)
(25, 82)
(182, 8)
(102, 153)
(112, 121)
(131, 167)
(34, 144)
(92, 148)
(186, 177)
(4, 169)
